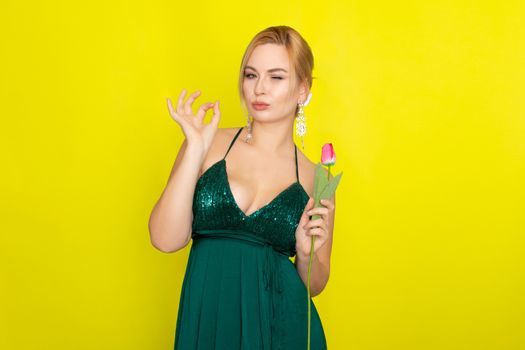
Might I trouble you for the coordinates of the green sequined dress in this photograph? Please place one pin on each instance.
(240, 289)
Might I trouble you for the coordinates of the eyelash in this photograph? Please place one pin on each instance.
(247, 74)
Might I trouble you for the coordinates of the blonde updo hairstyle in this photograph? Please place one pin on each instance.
(299, 52)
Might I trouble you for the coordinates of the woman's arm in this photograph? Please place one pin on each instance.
(171, 219)
(321, 258)
(318, 276)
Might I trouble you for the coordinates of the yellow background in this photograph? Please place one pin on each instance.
(423, 102)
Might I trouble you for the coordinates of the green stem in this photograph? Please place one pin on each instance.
(312, 242)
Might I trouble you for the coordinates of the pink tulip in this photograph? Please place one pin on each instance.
(327, 159)
(328, 155)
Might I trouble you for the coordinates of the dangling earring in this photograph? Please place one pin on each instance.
(249, 127)
(300, 121)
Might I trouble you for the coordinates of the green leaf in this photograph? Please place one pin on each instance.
(320, 182)
(329, 189)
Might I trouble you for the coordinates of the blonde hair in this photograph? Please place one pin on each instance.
(299, 52)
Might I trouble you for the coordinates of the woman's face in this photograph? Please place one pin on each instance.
(267, 80)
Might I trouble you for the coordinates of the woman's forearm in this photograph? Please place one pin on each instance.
(318, 276)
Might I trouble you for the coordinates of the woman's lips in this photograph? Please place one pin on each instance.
(260, 106)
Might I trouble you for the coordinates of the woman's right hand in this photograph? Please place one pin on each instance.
(197, 133)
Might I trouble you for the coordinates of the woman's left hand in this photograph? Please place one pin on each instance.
(319, 227)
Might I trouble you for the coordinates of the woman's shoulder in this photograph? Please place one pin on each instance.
(306, 171)
(218, 148)
(309, 164)
(225, 136)
(304, 161)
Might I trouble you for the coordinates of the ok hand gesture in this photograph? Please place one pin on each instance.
(197, 133)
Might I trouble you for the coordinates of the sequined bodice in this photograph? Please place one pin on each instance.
(215, 208)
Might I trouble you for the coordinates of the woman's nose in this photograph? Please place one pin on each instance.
(259, 86)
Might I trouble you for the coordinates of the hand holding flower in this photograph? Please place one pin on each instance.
(318, 227)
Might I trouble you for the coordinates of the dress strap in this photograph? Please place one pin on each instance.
(231, 143)
(296, 166)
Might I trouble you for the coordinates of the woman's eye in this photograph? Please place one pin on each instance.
(249, 76)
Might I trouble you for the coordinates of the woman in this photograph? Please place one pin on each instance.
(248, 214)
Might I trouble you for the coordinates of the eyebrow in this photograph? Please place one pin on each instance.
(270, 70)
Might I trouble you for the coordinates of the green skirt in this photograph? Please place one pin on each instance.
(240, 293)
